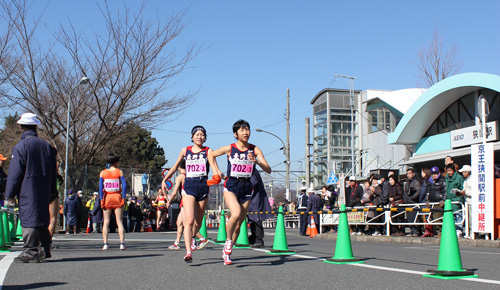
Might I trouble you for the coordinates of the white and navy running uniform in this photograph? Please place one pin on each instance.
(239, 171)
(197, 168)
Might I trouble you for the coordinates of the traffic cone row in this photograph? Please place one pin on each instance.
(343, 247)
(88, 226)
(280, 246)
(221, 234)
(203, 229)
(242, 241)
(450, 262)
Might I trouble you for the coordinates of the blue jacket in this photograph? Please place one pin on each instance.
(259, 201)
(32, 178)
(97, 216)
(71, 209)
(314, 202)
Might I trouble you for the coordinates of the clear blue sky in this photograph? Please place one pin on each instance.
(255, 50)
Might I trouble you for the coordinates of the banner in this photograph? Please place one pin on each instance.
(356, 217)
(482, 157)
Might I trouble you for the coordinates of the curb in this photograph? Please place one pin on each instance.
(414, 240)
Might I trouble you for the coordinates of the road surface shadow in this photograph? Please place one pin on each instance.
(33, 285)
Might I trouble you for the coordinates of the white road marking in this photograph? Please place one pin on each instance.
(461, 251)
(478, 280)
(5, 265)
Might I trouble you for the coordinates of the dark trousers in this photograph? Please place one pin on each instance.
(34, 238)
(303, 222)
(257, 233)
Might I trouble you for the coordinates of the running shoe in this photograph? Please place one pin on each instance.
(105, 247)
(188, 258)
(174, 246)
(227, 259)
(122, 247)
(193, 244)
(202, 244)
(228, 248)
(53, 246)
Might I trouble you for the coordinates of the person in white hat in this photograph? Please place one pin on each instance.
(302, 207)
(467, 193)
(314, 204)
(33, 191)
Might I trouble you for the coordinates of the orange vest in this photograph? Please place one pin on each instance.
(111, 181)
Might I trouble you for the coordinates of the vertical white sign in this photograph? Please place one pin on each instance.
(482, 157)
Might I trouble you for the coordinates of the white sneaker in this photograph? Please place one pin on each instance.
(459, 233)
(174, 246)
(105, 247)
(227, 259)
(228, 248)
(193, 244)
(353, 233)
(375, 234)
(122, 247)
(202, 243)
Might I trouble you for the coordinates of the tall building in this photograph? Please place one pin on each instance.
(375, 114)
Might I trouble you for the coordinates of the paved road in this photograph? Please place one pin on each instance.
(80, 263)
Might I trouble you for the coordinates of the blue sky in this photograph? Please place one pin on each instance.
(255, 50)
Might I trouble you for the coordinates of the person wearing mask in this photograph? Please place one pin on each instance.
(37, 157)
(467, 194)
(395, 199)
(412, 190)
(436, 193)
(454, 187)
(97, 214)
(355, 194)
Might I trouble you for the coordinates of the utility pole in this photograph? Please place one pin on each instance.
(308, 170)
(288, 144)
(351, 104)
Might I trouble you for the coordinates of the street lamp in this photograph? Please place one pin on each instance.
(83, 81)
(287, 155)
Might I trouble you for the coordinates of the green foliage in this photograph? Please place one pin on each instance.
(137, 148)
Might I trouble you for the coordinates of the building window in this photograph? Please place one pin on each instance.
(382, 119)
(461, 113)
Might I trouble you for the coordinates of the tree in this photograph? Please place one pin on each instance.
(9, 135)
(436, 63)
(131, 65)
(137, 148)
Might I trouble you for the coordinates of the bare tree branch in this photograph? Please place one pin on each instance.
(435, 64)
(132, 63)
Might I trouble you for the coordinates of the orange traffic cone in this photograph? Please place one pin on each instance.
(314, 230)
(308, 231)
(88, 226)
(149, 228)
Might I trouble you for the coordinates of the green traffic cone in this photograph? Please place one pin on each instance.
(3, 247)
(203, 229)
(19, 230)
(450, 261)
(280, 246)
(221, 234)
(242, 241)
(6, 230)
(12, 227)
(343, 247)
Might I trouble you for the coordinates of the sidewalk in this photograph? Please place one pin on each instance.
(414, 240)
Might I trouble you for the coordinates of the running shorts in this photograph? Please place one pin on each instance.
(197, 187)
(242, 188)
(112, 201)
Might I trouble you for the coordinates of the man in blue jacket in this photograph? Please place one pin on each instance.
(32, 178)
